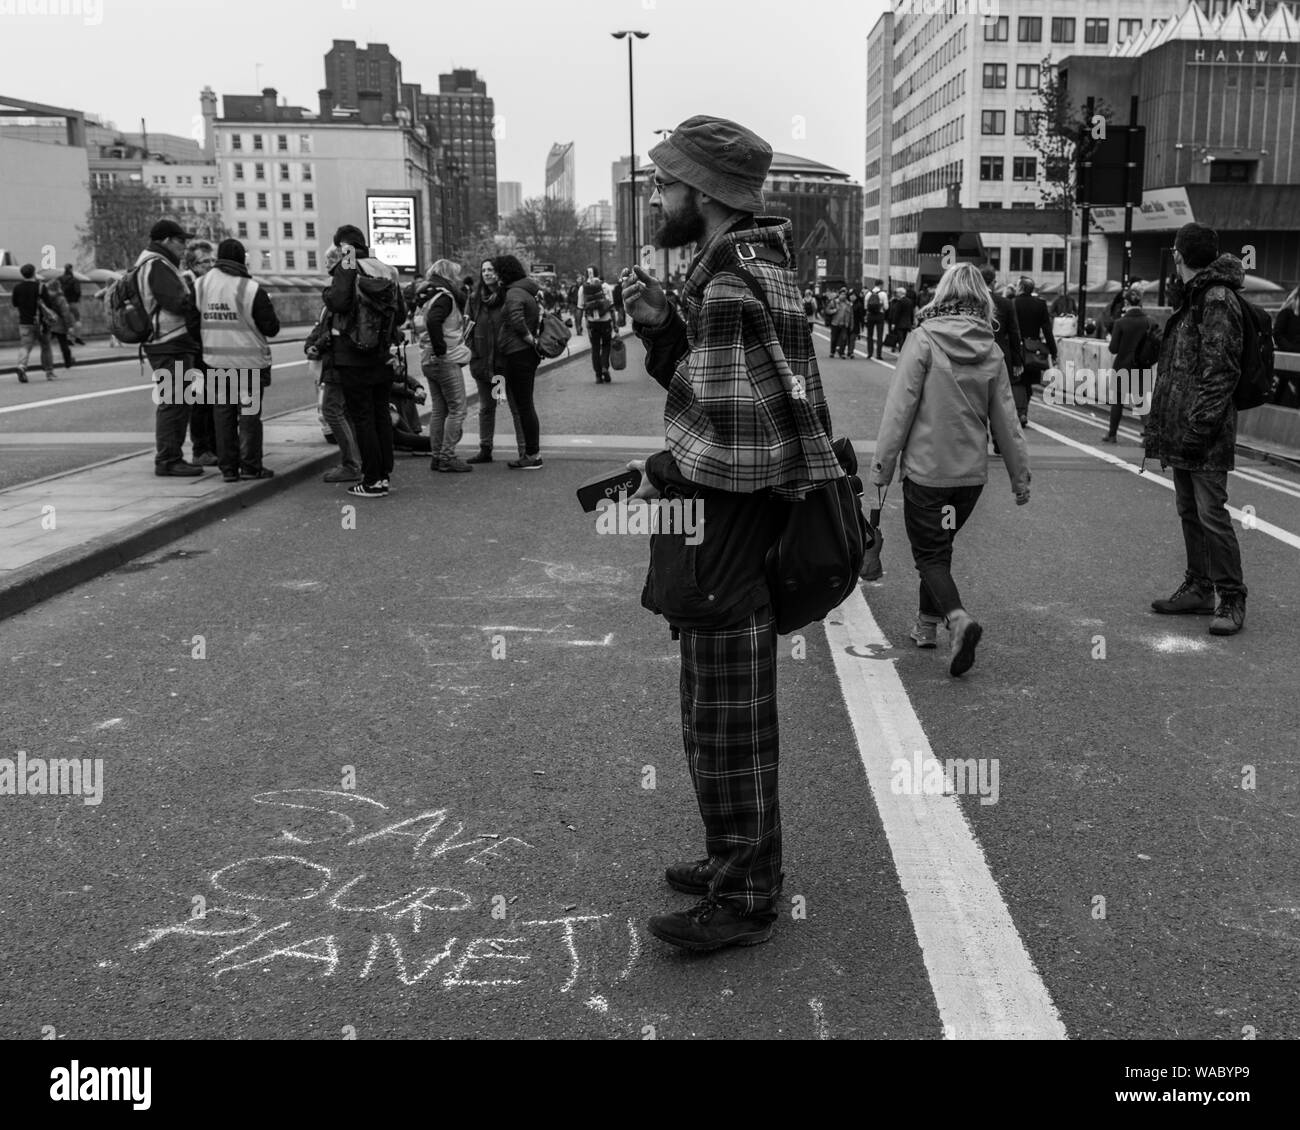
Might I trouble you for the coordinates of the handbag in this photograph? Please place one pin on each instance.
(618, 354)
(872, 569)
(1036, 354)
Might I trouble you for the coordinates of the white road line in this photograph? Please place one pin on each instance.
(826, 337)
(108, 392)
(1286, 537)
(984, 981)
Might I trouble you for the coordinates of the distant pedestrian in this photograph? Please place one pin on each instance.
(174, 342)
(859, 318)
(901, 316)
(575, 305)
(949, 388)
(26, 298)
(876, 303)
(620, 315)
(597, 310)
(71, 287)
(1039, 343)
(1064, 306)
(363, 365)
(1192, 425)
(331, 405)
(200, 256)
(58, 319)
(841, 323)
(518, 356)
(1125, 337)
(440, 323)
(485, 311)
(1006, 332)
(236, 316)
(1286, 339)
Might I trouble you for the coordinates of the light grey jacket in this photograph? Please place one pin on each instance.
(950, 385)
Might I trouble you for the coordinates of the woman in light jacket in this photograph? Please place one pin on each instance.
(950, 385)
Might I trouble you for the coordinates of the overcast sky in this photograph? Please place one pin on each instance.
(554, 72)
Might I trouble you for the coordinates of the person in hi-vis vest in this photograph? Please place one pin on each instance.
(236, 318)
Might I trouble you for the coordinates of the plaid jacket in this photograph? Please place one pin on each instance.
(745, 409)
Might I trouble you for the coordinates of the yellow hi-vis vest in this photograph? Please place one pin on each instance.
(166, 325)
(231, 339)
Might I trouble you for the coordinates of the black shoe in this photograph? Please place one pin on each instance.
(259, 473)
(1187, 600)
(230, 476)
(692, 878)
(1229, 617)
(22, 376)
(526, 463)
(179, 470)
(484, 456)
(709, 925)
(206, 459)
(1110, 439)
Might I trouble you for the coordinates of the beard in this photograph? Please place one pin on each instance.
(683, 229)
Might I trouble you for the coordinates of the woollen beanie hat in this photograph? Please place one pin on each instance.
(231, 250)
(721, 158)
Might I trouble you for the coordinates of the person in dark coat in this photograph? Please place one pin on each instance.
(484, 310)
(1007, 335)
(901, 317)
(1035, 326)
(1130, 329)
(1286, 339)
(518, 358)
(1192, 425)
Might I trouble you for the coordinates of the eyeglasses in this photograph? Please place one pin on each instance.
(660, 185)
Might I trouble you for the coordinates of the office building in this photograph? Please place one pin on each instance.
(510, 197)
(561, 176)
(350, 69)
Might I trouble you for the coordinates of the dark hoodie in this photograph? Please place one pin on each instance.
(1192, 425)
(519, 317)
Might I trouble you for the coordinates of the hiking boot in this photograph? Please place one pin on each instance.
(256, 473)
(484, 456)
(342, 475)
(230, 476)
(709, 925)
(966, 633)
(925, 633)
(1229, 617)
(454, 465)
(692, 878)
(435, 464)
(1188, 600)
(1110, 439)
(207, 459)
(526, 463)
(179, 469)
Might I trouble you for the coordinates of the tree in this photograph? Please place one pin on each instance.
(487, 245)
(552, 232)
(117, 225)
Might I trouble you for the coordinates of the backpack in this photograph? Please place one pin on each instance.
(552, 335)
(814, 564)
(594, 302)
(1148, 349)
(128, 320)
(1257, 378)
(874, 305)
(374, 323)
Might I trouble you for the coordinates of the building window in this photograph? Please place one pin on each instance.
(289, 264)
(236, 142)
(209, 181)
(266, 260)
(1096, 31)
(239, 170)
(995, 257)
(1053, 260)
(304, 143)
(1030, 29)
(309, 201)
(306, 172)
(1233, 79)
(288, 230)
(990, 205)
(241, 229)
(1128, 29)
(1062, 30)
(261, 201)
(1024, 168)
(1230, 172)
(257, 142)
(991, 168)
(286, 202)
(1027, 76)
(282, 143)
(997, 29)
(311, 260)
(311, 230)
(1022, 259)
(263, 230)
(284, 170)
(1025, 124)
(259, 171)
(995, 76)
(159, 179)
(240, 203)
(993, 121)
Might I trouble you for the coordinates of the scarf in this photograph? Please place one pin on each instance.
(954, 310)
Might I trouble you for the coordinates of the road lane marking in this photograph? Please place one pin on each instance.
(984, 981)
(826, 337)
(1286, 537)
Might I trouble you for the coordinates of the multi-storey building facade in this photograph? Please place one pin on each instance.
(350, 69)
(510, 197)
(561, 174)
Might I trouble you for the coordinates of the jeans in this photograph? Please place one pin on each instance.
(62, 339)
(876, 335)
(365, 391)
(1213, 555)
(29, 336)
(841, 338)
(333, 411)
(170, 420)
(447, 406)
(933, 515)
(521, 372)
(602, 334)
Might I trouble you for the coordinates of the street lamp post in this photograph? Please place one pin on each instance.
(630, 36)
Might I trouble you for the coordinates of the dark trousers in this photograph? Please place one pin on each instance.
(62, 339)
(1213, 555)
(729, 729)
(900, 336)
(933, 515)
(1116, 414)
(365, 392)
(487, 414)
(602, 334)
(170, 420)
(203, 429)
(841, 339)
(521, 373)
(237, 437)
(875, 337)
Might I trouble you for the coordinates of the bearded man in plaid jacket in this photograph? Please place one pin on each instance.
(748, 434)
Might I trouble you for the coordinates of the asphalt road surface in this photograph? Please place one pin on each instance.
(418, 774)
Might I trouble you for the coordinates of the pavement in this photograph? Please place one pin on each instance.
(412, 768)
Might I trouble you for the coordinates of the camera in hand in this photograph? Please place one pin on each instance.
(608, 485)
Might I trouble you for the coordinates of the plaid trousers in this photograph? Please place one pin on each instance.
(729, 729)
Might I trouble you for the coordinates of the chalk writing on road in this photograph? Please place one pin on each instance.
(361, 895)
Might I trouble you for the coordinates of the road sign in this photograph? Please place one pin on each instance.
(821, 268)
(542, 269)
